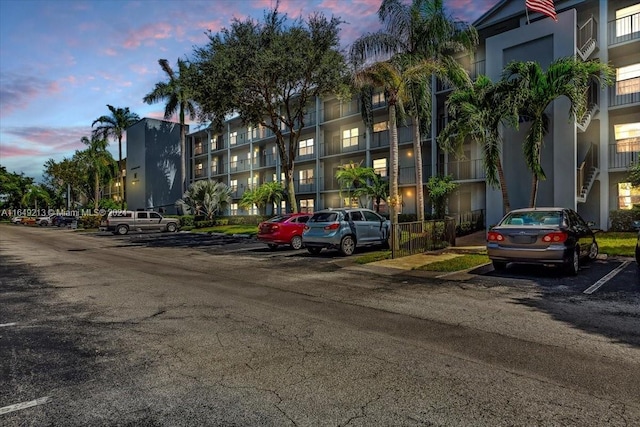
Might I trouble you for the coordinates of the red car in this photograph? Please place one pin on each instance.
(285, 229)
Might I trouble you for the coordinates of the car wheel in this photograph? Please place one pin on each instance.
(573, 263)
(499, 265)
(272, 246)
(593, 251)
(122, 230)
(347, 245)
(296, 242)
(171, 227)
(314, 251)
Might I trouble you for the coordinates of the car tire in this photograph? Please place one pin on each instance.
(499, 265)
(573, 263)
(314, 250)
(296, 242)
(122, 230)
(272, 246)
(593, 251)
(347, 245)
(171, 227)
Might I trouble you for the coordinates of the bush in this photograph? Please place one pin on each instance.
(186, 221)
(464, 228)
(204, 224)
(622, 220)
(407, 218)
(89, 221)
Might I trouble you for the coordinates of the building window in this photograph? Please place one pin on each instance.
(628, 79)
(380, 166)
(214, 166)
(233, 138)
(197, 149)
(305, 147)
(350, 138)
(628, 20)
(306, 206)
(233, 185)
(627, 137)
(380, 126)
(628, 195)
(234, 208)
(214, 143)
(378, 99)
(199, 171)
(305, 176)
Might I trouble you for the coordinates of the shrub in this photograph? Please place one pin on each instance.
(205, 224)
(622, 220)
(186, 221)
(89, 221)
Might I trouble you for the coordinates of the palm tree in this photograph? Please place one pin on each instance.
(476, 112)
(272, 192)
(99, 161)
(114, 126)
(206, 198)
(179, 99)
(35, 193)
(420, 30)
(535, 89)
(353, 176)
(377, 188)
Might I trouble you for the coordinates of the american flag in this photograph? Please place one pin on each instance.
(545, 7)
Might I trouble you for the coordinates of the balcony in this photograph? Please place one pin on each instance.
(240, 165)
(336, 110)
(624, 29)
(464, 170)
(305, 186)
(621, 160)
(217, 169)
(616, 100)
(198, 150)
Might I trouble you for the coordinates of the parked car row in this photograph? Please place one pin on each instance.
(54, 220)
(344, 229)
(120, 222)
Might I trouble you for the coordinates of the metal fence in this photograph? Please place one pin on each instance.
(409, 238)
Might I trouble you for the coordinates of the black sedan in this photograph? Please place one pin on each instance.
(557, 236)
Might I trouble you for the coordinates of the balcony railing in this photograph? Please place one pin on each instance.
(217, 169)
(587, 37)
(616, 100)
(462, 170)
(198, 150)
(240, 165)
(621, 160)
(624, 29)
(336, 110)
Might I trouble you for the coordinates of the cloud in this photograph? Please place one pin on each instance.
(17, 91)
(148, 34)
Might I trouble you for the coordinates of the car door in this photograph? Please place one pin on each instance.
(584, 235)
(377, 231)
(155, 220)
(142, 221)
(361, 226)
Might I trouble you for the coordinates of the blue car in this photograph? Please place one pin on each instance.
(345, 229)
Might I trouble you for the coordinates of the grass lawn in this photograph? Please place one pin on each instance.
(251, 230)
(459, 263)
(617, 243)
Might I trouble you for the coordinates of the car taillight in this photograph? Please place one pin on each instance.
(494, 236)
(555, 237)
(306, 228)
(274, 227)
(333, 226)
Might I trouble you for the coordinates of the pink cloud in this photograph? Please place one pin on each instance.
(18, 91)
(148, 33)
(7, 151)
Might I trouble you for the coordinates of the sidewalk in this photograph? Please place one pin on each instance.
(471, 243)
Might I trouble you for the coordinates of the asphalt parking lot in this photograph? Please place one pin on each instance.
(604, 278)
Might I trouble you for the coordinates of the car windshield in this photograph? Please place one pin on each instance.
(533, 218)
(324, 217)
(279, 218)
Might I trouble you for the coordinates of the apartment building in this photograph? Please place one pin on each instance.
(585, 160)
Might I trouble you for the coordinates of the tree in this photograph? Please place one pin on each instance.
(179, 98)
(114, 126)
(439, 189)
(352, 177)
(206, 198)
(14, 186)
(36, 193)
(476, 112)
(634, 174)
(535, 89)
(377, 188)
(98, 162)
(419, 30)
(268, 73)
(262, 196)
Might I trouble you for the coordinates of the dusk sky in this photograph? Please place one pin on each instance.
(62, 62)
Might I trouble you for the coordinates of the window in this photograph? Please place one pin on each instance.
(214, 143)
(306, 176)
(357, 216)
(350, 138)
(142, 215)
(627, 195)
(628, 79)
(154, 215)
(306, 206)
(199, 171)
(628, 20)
(214, 165)
(627, 137)
(234, 208)
(233, 185)
(378, 99)
(380, 126)
(197, 149)
(233, 138)
(380, 166)
(305, 147)
(234, 162)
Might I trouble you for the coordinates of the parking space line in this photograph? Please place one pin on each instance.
(4, 325)
(24, 405)
(591, 289)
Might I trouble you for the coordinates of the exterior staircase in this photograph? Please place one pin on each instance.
(587, 174)
(587, 38)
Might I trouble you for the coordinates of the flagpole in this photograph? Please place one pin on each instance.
(526, 10)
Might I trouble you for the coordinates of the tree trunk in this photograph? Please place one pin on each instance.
(291, 191)
(503, 188)
(120, 177)
(393, 188)
(96, 191)
(417, 154)
(183, 159)
(535, 181)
